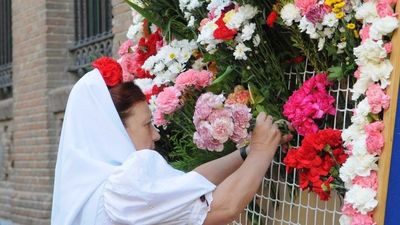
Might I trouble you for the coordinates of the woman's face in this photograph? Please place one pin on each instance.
(140, 127)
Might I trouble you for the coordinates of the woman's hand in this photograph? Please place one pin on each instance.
(266, 135)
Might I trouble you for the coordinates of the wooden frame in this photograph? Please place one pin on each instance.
(389, 122)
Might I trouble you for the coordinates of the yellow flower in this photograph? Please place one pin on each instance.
(343, 39)
(172, 56)
(228, 16)
(329, 2)
(356, 34)
(336, 10)
(340, 5)
(339, 15)
(351, 26)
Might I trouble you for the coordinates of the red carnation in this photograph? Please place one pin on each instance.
(109, 69)
(223, 32)
(271, 19)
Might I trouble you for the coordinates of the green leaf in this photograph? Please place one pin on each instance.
(255, 96)
(335, 73)
(223, 76)
(154, 18)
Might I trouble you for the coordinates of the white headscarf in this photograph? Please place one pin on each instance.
(93, 144)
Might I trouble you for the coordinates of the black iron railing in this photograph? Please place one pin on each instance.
(5, 49)
(93, 35)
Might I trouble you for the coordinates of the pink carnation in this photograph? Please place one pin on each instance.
(305, 5)
(357, 73)
(348, 210)
(216, 123)
(316, 13)
(222, 129)
(197, 79)
(124, 48)
(375, 139)
(377, 99)
(364, 32)
(168, 100)
(128, 65)
(159, 119)
(384, 8)
(388, 47)
(310, 102)
(370, 181)
(361, 219)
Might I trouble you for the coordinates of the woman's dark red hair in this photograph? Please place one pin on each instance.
(124, 96)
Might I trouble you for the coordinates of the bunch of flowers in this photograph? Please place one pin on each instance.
(216, 122)
(312, 101)
(317, 161)
(169, 99)
(239, 95)
(320, 19)
(133, 56)
(229, 22)
(364, 139)
(169, 61)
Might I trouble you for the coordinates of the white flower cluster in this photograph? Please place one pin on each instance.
(238, 19)
(187, 6)
(320, 29)
(373, 67)
(169, 61)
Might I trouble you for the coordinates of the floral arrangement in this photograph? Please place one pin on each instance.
(310, 102)
(318, 160)
(363, 139)
(208, 67)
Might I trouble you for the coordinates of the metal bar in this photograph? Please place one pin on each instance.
(103, 17)
(85, 43)
(84, 20)
(2, 27)
(90, 18)
(9, 32)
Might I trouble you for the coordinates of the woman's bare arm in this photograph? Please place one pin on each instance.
(235, 192)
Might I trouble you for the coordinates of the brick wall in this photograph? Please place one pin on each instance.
(30, 122)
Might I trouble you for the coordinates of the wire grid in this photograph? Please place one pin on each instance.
(279, 200)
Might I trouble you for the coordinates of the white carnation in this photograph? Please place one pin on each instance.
(370, 52)
(345, 220)
(144, 84)
(362, 199)
(378, 72)
(289, 14)
(383, 26)
(360, 145)
(240, 51)
(357, 165)
(360, 87)
(367, 12)
(248, 31)
(330, 20)
(244, 13)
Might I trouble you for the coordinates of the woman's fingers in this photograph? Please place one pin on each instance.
(286, 138)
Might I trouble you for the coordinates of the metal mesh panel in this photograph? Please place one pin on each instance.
(277, 201)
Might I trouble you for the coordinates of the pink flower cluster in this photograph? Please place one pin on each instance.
(357, 217)
(375, 139)
(193, 78)
(167, 102)
(311, 101)
(377, 99)
(217, 122)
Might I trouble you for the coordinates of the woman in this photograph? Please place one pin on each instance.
(106, 172)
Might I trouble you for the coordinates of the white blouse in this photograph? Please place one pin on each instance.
(146, 190)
